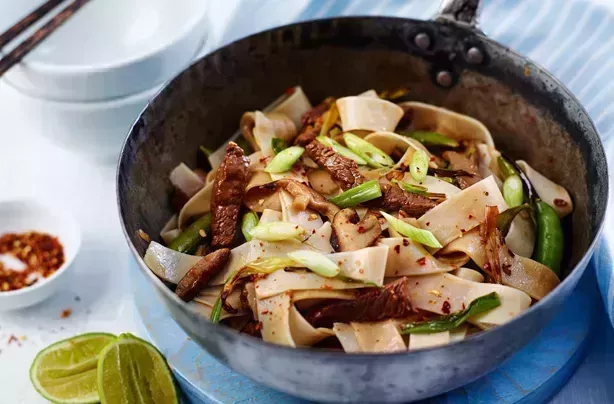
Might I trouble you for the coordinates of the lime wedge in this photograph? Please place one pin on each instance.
(65, 372)
(131, 370)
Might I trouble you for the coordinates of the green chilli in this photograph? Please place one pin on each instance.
(550, 241)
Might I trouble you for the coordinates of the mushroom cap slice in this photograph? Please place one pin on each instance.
(352, 233)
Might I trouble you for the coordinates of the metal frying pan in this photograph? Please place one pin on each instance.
(445, 61)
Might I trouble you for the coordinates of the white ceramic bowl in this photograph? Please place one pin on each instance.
(109, 49)
(23, 215)
(93, 129)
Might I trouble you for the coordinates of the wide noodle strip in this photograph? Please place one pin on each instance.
(168, 264)
(303, 333)
(421, 341)
(320, 239)
(462, 212)
(306, 218)
(446, 293)
(347, 337)
(433, 185)
(550, 192)
(170, 231)
(293, 104)
(186, 180)
(198, 205)
(382, 336)
(274, 315)
(205, 310)
(527, 275)
(407, 257)
(390, 142)
(368, 113)
(431, 118)
(259, 129)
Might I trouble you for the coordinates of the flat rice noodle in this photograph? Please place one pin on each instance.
(368, 113)
(297, 173)
(469, 274)
(205, 311)
(252, 299)
(259, 129)
(459, 333)
(366, 264)
(530, 276)
(421, 341)
(347, 337)
(198, 205)
(303, 333)
(369, 93)
(430, 118)
(168, 264)
(270, 215)
(186, 180)
(388, 142)
(550, 192)
(170, 231)
(274, 315)
(407, 257)
(488, 161)
(209, 295)
(306, 218)
(382, 336)
(521, 237)
(293, 106)
(433, 185)
(282, 281)
(429, 292)
(462, 212)
(320, 240)
(255, 249)
(257, 200)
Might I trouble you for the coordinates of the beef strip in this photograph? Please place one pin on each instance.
(343, 171)
(371, 304)
(199, 275)
(467, 162)
(228, 191)
(312, 123)
(394, 198)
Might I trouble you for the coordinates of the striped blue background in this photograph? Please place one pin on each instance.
(574, 39)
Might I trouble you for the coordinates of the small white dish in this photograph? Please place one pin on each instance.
(20, 216)
(109, 48)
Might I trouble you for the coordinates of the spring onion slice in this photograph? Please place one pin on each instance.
(315, 262)
(278, 145)
(216, 313)
(250, 220)
(278, 231)
(512, 191)
(424, 237)
(269, 265)
(505, 218)
(344, 151)
(414, 189)
(432, 138)
(374, 157)
(505, 167)
(446, 323)
(359, 194)
(419, 166)
(284, 160)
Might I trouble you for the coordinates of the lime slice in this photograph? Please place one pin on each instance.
(65, 372)
(131, 370)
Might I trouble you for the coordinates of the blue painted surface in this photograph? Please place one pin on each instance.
(531, 376)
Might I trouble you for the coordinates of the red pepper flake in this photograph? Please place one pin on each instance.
(361, 229)
(560, 202)
(42, 254)
(397, 249)
(445, 307)
(405, 242)
(486, 193)
(66, 313)
(462, 230)
(421, 261)
(470, 217)
(290, 90)
(428, 223)
(264, 312)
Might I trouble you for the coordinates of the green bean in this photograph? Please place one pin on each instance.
(432, 138)
(550, 241)
(191, 237)
(512, 191)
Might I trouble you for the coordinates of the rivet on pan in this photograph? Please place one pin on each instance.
(444, 78)
(475, 56)
(422, 41)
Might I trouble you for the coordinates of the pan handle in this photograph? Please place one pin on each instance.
(461, 12)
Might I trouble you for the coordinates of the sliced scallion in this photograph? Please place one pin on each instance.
(216, 312)
(278, 231)
(375, 157)
(424, 237)
(512, 191)
(344, 151)
(360, 194)
(316, 262)
(432, 138)
(414, 189)
(450, 322)
(278, 145)
(250, 220)
(284, 160)
(269, 265)
(419, 166)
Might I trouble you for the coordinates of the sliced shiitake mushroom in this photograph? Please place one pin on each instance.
(351, 233)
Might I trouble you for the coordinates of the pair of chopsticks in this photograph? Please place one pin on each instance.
(21, 50)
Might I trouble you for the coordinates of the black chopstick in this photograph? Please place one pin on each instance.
(13, 57)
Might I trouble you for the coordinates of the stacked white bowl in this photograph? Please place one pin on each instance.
(87, 82)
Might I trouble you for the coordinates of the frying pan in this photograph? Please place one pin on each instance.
(447, 62)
